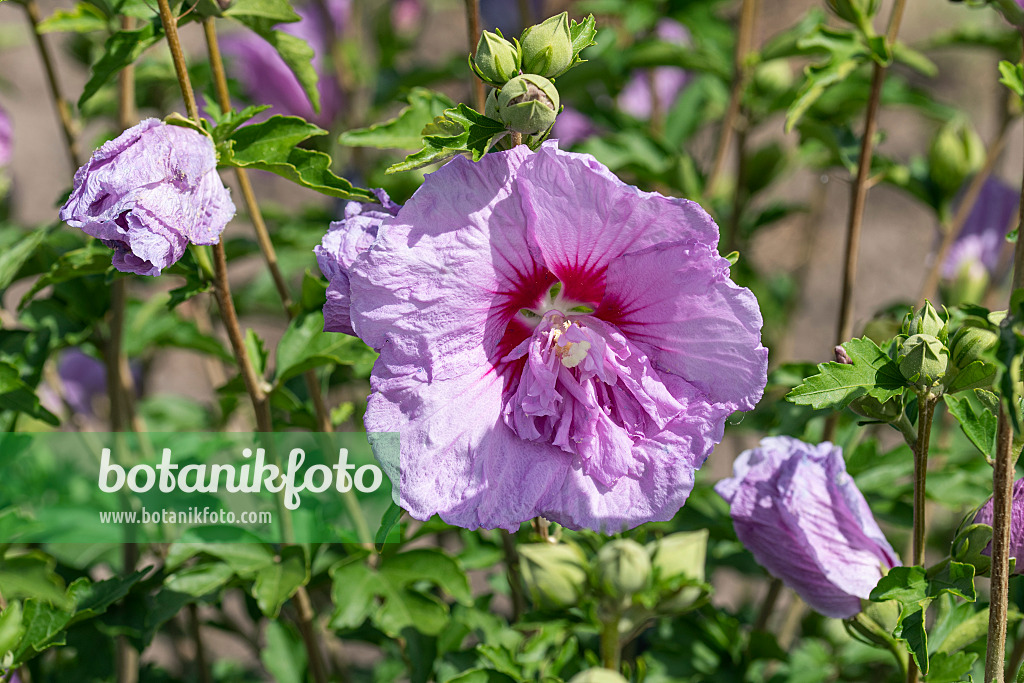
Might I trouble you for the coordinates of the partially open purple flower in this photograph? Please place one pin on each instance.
(345, 240)
(794, 507)
(553, 342)
(6, 138)
(265, 77)
(985, 516)
(148, 193)
(661, 85)
(983, 236)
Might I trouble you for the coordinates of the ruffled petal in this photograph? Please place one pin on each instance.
(678, 300)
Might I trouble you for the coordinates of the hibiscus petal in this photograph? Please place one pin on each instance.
(581, 216)
(679, 301)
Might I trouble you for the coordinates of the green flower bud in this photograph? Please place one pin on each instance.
(969, 343)
(773, 77)
(873, 409)
(956, 152)
(547, 47)
(555, 575)
(969, 546)
(497, 60)
(598, 676)
(679, 555)
(854, 11)
(926, 320)
(528, 104)
(623, 568)
(491, 105)
(923, 360)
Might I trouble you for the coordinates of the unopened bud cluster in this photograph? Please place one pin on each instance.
(520, 71)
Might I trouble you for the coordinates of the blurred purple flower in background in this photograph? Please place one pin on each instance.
(984, 516)
(572, 126)
(661, 84)
(345, 240)
(535, 365)
(796, 509)
(148, 193)
(6, 138)
(506, 16)
(83, 378)
(981, 240)
(266, 79)
(406, 16)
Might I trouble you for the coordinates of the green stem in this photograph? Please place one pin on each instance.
(611, 646)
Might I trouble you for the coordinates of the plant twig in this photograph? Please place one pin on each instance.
(515, 578)
(1002, 493)
(67, 123)
(473, 28)
(202, 666)
(744, 40)
(266, 245)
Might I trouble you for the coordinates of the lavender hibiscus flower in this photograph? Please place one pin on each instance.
(6, 138)
(985, 516)
(553, 342)
(661, 85)
(797, 510)
(265, 77)
(981, 240)
(148, 193)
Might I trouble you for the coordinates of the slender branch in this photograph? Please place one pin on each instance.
(859, 191)
(517, 139)
(266, 245)
(925, 411)
(304, 608)
(67, 123)
(768, 606)
(611, 644)
(170, 23)
(967, 203)
(744, 40)
(473, 28)
(1002, 493)
(197, 639)
(515, 579)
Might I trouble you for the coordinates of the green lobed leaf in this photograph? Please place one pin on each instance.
(14, 257)
(18, 396)
(872, 373)
(257, 351)
(90, 260)
(271, 146)
(305, 346)
(388, 522)
(285, 655)
(979, 425)
(1012, 76)
(278, 11)
(277, 582)
(11, 628)
(85, 17)
(405, 131)
(120, 50)
(845, 54)
(460, 130)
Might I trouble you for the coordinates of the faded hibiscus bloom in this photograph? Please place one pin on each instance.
(974, 255)
(553, 342)
(148, 193)
(6, 138)
(345, 240)
(985, 516)
(794, 507)
(658, 86)
(265, 77)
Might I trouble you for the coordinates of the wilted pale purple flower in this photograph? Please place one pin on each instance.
(794, 507)
(148, 193)
(6, 138)
(572, 126)
(985, 516)
(981, 240)
(665, 83)
(265, 77)
(345, 240)
(553, 342)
